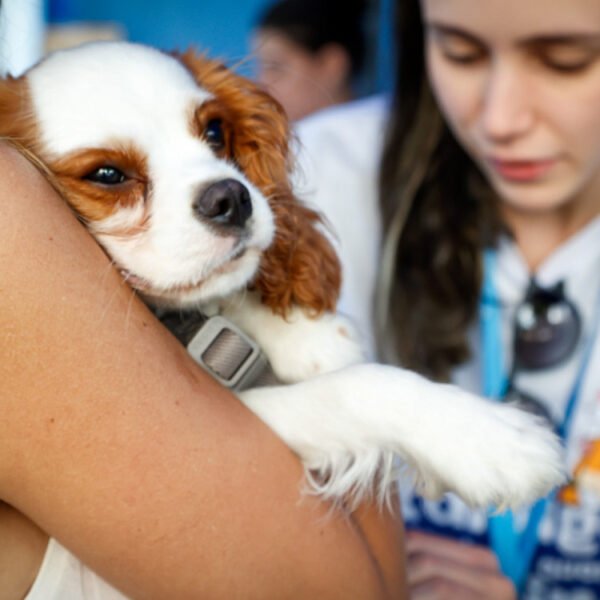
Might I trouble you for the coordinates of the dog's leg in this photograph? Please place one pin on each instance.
(348, 426)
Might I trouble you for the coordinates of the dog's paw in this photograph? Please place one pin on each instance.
(499, 456)
(349, 426)
(298, 346)
(491, 455)
(309, 347)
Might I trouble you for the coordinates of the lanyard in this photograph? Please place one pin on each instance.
(515, 550)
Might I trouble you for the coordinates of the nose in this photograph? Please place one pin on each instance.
(226, 202)
(508, 110)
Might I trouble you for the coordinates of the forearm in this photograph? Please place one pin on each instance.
(114, 442)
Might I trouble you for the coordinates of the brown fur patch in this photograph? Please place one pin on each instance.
(91, 201)
(301, 266)
(214, 110)
(17, 118)
(95, 201)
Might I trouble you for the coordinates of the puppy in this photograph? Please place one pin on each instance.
(179, 168)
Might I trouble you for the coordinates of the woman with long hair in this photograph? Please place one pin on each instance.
(490, 275)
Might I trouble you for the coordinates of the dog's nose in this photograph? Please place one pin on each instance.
(226, 202)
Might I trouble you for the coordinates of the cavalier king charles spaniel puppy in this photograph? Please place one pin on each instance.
(180, 170)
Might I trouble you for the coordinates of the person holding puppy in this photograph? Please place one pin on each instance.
(117, 448)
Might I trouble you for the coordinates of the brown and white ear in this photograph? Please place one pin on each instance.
(17, 119)
(300, 267)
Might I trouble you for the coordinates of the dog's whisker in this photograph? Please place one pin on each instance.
(132, 298)
(235, 301)
(108, 271)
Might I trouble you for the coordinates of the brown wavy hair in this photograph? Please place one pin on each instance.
(438, 214)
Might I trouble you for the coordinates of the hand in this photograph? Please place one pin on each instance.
(440, 568)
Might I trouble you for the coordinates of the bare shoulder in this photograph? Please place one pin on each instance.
(8, 154)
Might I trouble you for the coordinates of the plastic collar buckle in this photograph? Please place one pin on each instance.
(227, 353)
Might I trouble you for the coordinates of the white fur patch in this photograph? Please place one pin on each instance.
(350, 424)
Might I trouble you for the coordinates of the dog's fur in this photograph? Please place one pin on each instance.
(153, 116)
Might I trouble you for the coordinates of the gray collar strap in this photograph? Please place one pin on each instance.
(222, 349)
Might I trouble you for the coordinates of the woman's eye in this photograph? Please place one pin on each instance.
(214, 134)
(106, 176)
(567, 61)
(457, 49)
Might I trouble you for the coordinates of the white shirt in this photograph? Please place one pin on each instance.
(338, 160)
(64, 577)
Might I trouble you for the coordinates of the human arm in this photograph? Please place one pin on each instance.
(22, 548)
(440, 568)
(113, 441)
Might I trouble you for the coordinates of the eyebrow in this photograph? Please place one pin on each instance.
(589, 39)
(445, 29)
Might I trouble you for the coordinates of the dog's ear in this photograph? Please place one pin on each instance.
(17, 121)
(300, 267)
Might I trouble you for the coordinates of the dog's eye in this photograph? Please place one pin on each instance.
(214, 134)
(107, 176)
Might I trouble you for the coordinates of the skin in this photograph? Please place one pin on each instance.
(113, 441)
(301, 80)
(518, 81)
(442, 568)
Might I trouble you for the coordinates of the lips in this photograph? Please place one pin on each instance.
(522, 170)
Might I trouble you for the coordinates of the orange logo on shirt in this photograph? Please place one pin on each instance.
(586, 477)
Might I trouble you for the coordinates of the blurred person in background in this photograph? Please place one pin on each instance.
(311, 52)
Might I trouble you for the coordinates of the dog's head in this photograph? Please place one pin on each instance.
(179, 167)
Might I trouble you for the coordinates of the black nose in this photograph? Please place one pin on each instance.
(226, 202)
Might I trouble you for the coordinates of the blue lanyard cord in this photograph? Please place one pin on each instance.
(494, 381)
(515, 550)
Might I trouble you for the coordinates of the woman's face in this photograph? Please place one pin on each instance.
(303, 82)
(519, 84)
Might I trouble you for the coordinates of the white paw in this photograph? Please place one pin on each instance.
(498, 455)
(309, 347)
(489, 454)
(348, 427)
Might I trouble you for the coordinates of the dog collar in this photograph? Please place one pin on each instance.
(222, 349)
